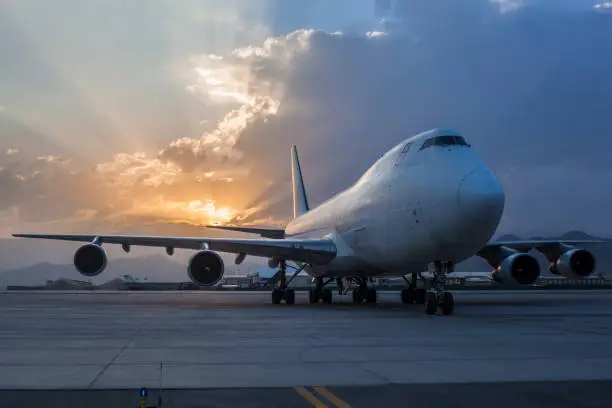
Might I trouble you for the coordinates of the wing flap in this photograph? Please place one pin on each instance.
(313, 251)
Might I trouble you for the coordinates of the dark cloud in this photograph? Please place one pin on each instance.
(529, 89)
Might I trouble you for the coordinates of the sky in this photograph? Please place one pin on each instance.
(149, 116)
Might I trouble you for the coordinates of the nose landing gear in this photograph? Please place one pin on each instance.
(436, 297)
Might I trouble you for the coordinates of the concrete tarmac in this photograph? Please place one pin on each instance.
(214, 349)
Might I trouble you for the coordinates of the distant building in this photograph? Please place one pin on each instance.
(68, 284)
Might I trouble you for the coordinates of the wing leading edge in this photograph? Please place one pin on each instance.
(527, 245)
(266, 232)
(313, 251)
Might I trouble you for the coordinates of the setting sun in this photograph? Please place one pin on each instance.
(197, 212)
(213, 214)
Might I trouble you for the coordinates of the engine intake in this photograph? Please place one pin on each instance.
(575, 263)
(517, 269)
(90, 260)
(205, 268)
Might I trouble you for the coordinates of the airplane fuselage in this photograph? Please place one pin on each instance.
(429, 198)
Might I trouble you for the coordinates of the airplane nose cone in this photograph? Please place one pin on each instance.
(481, 197)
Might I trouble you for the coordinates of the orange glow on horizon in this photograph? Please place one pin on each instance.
(196, 212)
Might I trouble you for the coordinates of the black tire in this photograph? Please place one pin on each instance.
(276, 296)
(290, 296)
(421, 295)
(313, 296)
(357, 296)
(446, 303)
(371, 296)
(408, 296)
(431, 304)
(327, 296)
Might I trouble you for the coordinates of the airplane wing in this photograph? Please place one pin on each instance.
(496, 251)
(313, 251)
(540, 244)
(266, 232)
(529, 244)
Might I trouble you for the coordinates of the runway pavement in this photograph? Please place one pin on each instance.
(213, 349)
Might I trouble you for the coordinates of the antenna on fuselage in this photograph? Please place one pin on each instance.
(300, 199)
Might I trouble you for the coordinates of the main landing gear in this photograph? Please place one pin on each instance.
(361, 294)
(436, 297)
(412, 294)
(282, 292)
(364, 293)
(319, 292)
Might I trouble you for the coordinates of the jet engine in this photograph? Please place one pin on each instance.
(90, 260)
(517, 269)
(205, 268)
(575, 263)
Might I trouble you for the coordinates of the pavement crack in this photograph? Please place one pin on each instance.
(113, 359)
(374, 373)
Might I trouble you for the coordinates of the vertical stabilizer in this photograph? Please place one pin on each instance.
(300, 200)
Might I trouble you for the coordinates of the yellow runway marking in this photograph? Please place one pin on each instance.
(332, 398)
(314, 401)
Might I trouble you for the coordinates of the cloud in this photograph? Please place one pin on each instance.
(374, 34)
(251, 77)
(11, 152)
(528, 89)
(603, 6)
(508, 5)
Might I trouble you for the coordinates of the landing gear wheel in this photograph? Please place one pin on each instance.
(289, 296)
(357, 296)
(370, 296)
(327, 296)
(431, 304)
(408, 296)
(446, 302)
(314, 295)
(420, 296)
(276, 296)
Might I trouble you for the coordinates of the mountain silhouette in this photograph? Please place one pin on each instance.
(156, 268)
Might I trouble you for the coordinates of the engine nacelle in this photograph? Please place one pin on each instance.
(517, 269)
(575, 263)
(90, 260)
(205, 268)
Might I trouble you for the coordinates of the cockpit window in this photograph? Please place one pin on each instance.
(444, 141)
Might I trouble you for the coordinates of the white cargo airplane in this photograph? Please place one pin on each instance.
(428, 203)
